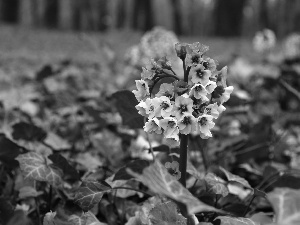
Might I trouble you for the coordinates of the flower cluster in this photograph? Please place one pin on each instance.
(184, 106)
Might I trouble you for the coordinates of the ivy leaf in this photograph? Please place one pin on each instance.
(28, 192)
(8, 151)
(28, 132)
(216, 184)
(226, 220)
(68, 170)
(125, 103)
(90, 193)
(157, 178)
(235, 179)
(166, 214)
(87, 218)
(286, 204)
(137, 166)
(33, 165)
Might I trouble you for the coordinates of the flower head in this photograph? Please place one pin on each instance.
(182, 105)
(169, 124)
(143, 90)
(200, 75)
(164, 107)
(193, 59)
(153, 126)
(198, 91)
(205, 124)
(212, 109)
(187, 123)
(226, 94)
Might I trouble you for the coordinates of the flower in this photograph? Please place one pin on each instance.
(193, 59)
(226, 94)
(187, 123)
(210, 86)
(166, 89)
(173, 169)
(164, 107)
(151, 105)
(199, 92)
(182, 105)
(141, 107)
(181, 50)
(147, 74)
(209, 64)
(205, 123)
(143, 90)
(169, 124)
(153, 126)
(200, 75)
(198, 47)
(212, 109)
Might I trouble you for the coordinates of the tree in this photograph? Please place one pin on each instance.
(10, 11)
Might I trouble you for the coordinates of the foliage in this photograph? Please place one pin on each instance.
(73, 151)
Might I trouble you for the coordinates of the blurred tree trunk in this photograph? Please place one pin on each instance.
(121, 14)
(263, 14)
(103, 14)
(10, 11)
(76, 14)
(176, 16)
(142, 15)
(229, 16)
(51, 13)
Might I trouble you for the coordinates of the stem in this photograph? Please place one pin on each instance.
(183, 158)
(37, 204)
(203, 153)
(50, 198)
(132, 189)
(246, 210)
(150, 145)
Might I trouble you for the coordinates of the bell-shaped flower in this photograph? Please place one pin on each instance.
(141, 107)
(209, 64)
(205, 124)
(164, 107)
(182, 105)
(169, 124)
(166, 89)
(147, 74)
(151, 105)
(200, 75)
(226, 94)
(210, 86)
(142, 91)
(199, 92)
(193, 59)
(212, 109)
(152, 126)
(187, 123)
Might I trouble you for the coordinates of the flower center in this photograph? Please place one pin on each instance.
(198, 88)
(186, 120)
(171, 123)
(164, 105)
(200, 73)
(203, 121)
(182, 108)
(205, 64)
(195, 58)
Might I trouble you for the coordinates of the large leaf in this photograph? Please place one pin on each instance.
(68, 170)
(226, 220)
(125, 103)
(157, 178)
(234, 178)
(166, 214)
(90, 193)
(216, 184)
(28, 132)
(34, 166)
(286, 204)
(8, 151)
(137, 166)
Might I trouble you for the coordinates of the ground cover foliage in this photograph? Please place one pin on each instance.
(73, 151)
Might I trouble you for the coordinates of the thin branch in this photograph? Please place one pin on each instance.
(290, 89)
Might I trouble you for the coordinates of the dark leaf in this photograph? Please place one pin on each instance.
(28, 132)
(8, 151)
(226, 220)
(136, 166)
(95, 114)
(90, 193)
(234, 178)
(69, 171)
(44, 73)
(6, 211)
(125, 103)
(162, 148)
(216, 184)
(19, 218)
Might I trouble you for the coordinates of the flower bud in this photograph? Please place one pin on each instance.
(181, 50)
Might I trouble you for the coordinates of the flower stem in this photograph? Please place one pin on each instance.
(183, 158)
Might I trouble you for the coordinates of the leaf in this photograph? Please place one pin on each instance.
(216, 184)
(166, 214)
(28, 132)
(162, 148)
(19, 218)
(28, 192)
(8, 151)
(33, 165)
(226, 220)
(234, 178)
(90, 193)
(136, 166)
(68, 170)
(157, 178)
(286, 204)
(6, 210)
(125, 103)
(87, 218)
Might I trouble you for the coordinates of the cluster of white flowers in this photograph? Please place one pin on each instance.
(183, 107)
(292, 46)
(264, 40)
